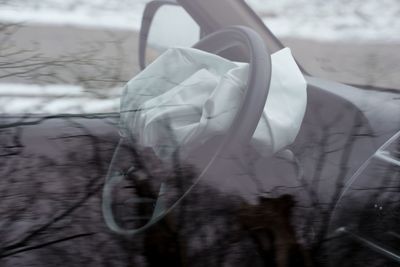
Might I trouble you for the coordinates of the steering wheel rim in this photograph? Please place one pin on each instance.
(258, 82)
(241, 130)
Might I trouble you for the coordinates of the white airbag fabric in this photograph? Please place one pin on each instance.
(187, 96)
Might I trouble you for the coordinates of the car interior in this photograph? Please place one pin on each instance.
(328, 197)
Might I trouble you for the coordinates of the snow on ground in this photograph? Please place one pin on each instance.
(356, 20)
(23, 98)
(332, 20)
(120, 14)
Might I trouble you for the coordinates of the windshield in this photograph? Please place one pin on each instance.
(355, 42)
(230, 163)
(67, 56)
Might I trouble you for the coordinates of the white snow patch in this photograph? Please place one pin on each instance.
(53, 99)
(92, 13)
(79, 19)
(350, 20)
(355, 20)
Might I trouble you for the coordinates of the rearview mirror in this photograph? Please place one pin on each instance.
(165, 24)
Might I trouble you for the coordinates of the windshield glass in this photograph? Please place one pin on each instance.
(198, 160)
(67, 56)
(354, 41)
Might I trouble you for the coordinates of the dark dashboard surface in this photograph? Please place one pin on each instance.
(53, 170)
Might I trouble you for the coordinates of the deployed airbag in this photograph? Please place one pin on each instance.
(188, 96)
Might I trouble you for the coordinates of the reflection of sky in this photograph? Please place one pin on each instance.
(335, 19)
(173, 17)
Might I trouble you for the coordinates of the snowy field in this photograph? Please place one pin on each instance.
(332, 20)
(356, 20)
(58, 98)
(365, 24)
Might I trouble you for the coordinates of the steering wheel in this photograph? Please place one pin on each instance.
(241, 130)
